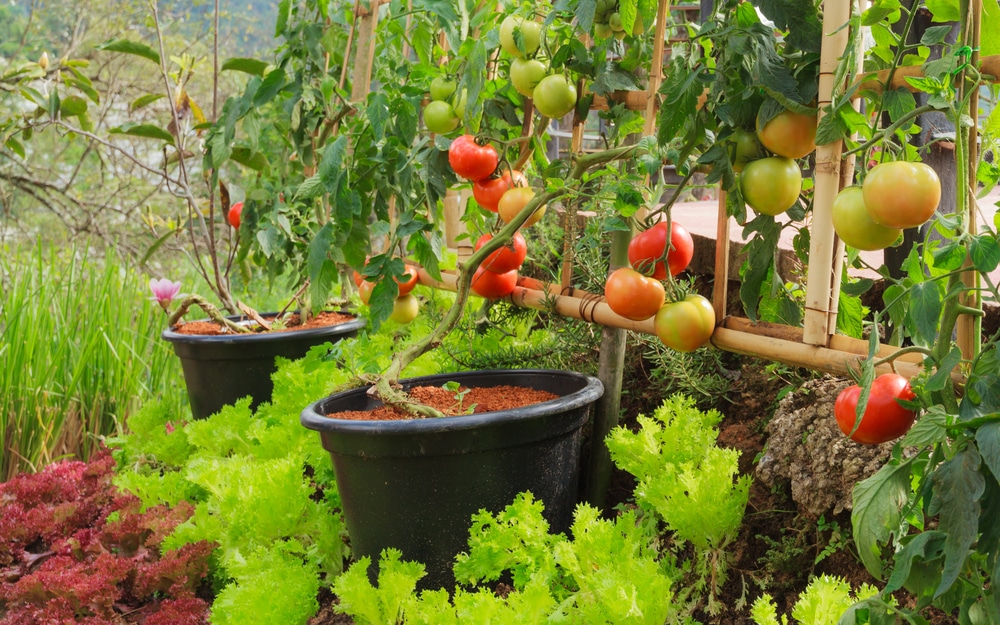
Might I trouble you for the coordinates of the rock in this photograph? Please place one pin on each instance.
(806, 447)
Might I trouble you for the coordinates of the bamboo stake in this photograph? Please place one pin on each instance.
(365, 54)
(824, 247)
(720, 287)
(969, 328)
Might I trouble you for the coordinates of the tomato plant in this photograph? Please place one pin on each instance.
(645, 251)
(471, 160)
(530, 34)
(440, 117)
(554, 96)
(235, 212)
(855, 226)
(789, 134)
(405, 308)
(525, 74)
(513, 202)
(884, 418)
(771, 185)
(900, 194)
(489, 190)
(633, 295)
(507, 258)
(493, 285)
(685, 325)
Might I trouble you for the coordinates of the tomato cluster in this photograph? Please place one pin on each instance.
(554, 95)
(771, 184)
(444, 112)
(636, 292)
(406, 306)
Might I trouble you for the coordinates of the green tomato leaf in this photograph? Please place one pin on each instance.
(924, 547)
(135, 48)
(939, 380)
(984, 252)
(949, 257)
(245, 65)
(989, 40)
(988, 439)
(284, 10)
(584, 14)
(958, 485)
(930, 429)
(944, 10)
(877, 514)
(322, 270)
(925, 309)
(850, 314)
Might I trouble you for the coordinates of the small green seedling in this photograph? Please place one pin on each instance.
(460, 394)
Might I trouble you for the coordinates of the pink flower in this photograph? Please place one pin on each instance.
(164, 291)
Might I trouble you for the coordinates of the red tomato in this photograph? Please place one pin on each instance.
(633, 295)
(685, 325)
(493, 285)
(406, 285)
(789, 134)
(507, 258)
(647, 248)
(234, 214)
(358, 278)
(884, 419)
(901, 194)
(489, 191)
(471, 160)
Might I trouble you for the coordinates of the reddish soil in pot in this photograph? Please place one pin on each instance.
(321, 320)
(479, 399)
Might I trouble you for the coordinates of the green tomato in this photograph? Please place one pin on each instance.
(442, 88)
(525, 74)
(531, 32)
(855, 226)
(554, 96)
(440, 117)
(602, 31)
(615, 22)
(771, 185)
(747, 148)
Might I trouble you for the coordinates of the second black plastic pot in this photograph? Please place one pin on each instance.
(218, 370)
(415, 484)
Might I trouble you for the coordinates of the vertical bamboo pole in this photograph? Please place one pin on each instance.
(969, 327)
(824, 247)
(612, 360)
(569, 227)
(365, 54)
(720, 288)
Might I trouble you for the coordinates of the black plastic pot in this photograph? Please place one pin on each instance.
(218, 370)
(415, 484)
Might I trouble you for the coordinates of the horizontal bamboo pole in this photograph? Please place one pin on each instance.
(769, 341)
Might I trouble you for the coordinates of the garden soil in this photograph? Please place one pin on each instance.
(294, 322)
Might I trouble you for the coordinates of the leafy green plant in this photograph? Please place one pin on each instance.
(823, 601)
(687, 481)
(608, 573)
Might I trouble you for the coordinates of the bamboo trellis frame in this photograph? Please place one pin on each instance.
(815, 346)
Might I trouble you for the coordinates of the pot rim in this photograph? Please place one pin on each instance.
(592, 389)
(348, 326)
